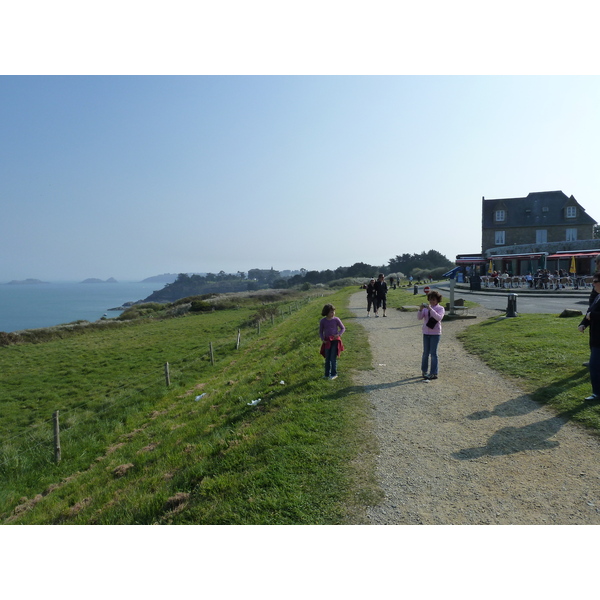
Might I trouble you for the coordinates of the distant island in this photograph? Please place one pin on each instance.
(27, 282)
(92, 280)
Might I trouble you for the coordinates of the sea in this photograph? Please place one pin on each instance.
(35, 305)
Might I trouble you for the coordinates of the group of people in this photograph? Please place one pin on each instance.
(431, 313)
(377, 295)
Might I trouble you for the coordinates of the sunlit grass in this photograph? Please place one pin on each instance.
(160, 455)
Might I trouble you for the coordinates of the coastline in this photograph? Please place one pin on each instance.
(30, 306)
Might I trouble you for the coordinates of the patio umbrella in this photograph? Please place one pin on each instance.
(491, 267)
(572, 268)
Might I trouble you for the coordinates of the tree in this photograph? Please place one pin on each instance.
(361, 269)
(426, 260)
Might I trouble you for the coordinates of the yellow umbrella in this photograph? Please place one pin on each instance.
(572, 268)
(491, 267)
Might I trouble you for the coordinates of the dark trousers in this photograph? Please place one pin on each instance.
(331, 359)
(595, 369)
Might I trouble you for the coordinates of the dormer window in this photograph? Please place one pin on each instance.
(571, 212)
(500, 216)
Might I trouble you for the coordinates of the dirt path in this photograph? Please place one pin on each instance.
(468, 448)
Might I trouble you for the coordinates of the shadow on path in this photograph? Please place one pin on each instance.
(535, 436)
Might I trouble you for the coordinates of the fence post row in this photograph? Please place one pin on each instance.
(55, 420)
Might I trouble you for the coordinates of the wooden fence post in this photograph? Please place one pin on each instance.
(237, 345)
(212, 356)
(167, 375)
(56, 437)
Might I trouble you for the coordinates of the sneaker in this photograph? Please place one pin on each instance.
(430, 377)
(424, 375)
(592, 398)
(333, 377)
(585, 364)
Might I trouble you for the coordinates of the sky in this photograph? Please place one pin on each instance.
(134, 176)
(114, 165)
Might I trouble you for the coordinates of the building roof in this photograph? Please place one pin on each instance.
(537, 209)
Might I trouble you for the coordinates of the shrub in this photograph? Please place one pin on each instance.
(6, 339)
(141, 310)
(200, 306)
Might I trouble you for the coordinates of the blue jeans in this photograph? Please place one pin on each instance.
(595, 369)
(430, 347)
(331, 359)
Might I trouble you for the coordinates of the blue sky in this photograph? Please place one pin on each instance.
(132, 176)
(232, 137)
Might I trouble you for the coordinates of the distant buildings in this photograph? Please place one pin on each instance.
(542, 230)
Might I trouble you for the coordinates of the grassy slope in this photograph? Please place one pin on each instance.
(151, 455)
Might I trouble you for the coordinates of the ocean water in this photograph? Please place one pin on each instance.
(30, 306)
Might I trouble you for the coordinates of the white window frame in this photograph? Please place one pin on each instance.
(571, 212)
(500, 238)
(541, 236)
(571, 235)
(500, 216)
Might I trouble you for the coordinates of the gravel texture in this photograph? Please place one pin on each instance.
(469, 448)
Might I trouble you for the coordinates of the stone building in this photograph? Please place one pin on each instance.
(541, 230)
(539, 219)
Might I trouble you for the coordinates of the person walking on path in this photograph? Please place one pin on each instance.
(381, 294)
(371, 301)
(431, 314)
(331, 329)
(592, 320)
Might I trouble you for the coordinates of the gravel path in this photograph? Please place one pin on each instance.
(469, 448)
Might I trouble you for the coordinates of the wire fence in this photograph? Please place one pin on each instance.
(44, 441)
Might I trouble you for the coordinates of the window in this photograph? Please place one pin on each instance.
(572, 235)
(500, 238)
(571, 212)
(541, 236)
(500, 215)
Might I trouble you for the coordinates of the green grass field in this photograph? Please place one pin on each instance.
(137, 452)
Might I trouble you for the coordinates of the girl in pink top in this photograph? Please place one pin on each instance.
(431, 314)
(330, 331)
